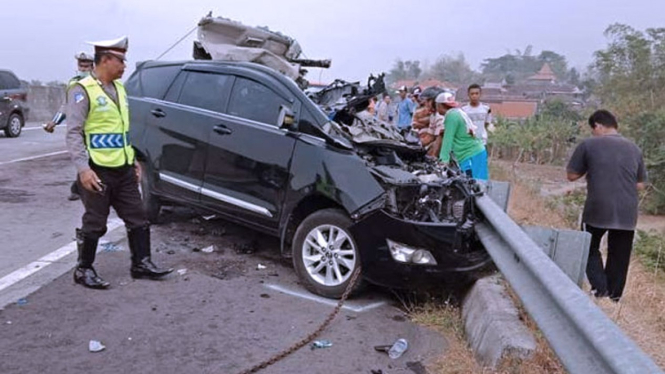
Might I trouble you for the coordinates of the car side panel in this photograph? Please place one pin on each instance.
(339, 175)
(175, 145)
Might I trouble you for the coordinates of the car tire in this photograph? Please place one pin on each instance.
(311, 244)
(14, 126)
(151, 203)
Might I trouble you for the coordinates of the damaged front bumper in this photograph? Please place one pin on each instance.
(400, 253)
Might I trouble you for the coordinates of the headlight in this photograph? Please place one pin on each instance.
(403, 253)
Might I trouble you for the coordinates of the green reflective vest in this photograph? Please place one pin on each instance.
(107, 127)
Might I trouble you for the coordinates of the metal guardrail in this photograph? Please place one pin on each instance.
(583, 337)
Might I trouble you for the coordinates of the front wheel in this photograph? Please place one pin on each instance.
(325, 254)
(14, 126)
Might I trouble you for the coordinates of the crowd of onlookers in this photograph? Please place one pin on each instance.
(443, 125)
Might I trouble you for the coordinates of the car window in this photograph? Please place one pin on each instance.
(8, 81)
(255, 101)
(156, 80)
(173, 93)
(204, 90)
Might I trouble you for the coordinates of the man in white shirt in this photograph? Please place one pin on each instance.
(480, 114)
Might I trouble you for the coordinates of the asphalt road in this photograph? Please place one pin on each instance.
(218, 313)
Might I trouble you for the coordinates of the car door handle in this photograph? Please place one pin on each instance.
(158, 113)
(222, 130)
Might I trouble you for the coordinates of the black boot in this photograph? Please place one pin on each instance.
(139, 245)
(85, 274)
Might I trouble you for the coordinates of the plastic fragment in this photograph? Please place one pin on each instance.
(95, 346)
(321, 344)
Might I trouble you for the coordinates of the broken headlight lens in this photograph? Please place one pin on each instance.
(403, 253)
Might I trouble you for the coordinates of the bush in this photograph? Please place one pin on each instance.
(650, 248)
(542, 139)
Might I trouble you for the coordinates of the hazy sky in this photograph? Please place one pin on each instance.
(40, 38)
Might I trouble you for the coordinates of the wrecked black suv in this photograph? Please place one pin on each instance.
(244, 141)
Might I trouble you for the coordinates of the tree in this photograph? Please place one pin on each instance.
(630, 78)
(573, 77)
(402, 70)
(522, 65)
(453, 70)
(630, 69)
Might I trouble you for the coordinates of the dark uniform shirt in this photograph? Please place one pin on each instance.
(78, 106)
(613, 166)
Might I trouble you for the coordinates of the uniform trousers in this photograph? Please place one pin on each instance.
(121, 192)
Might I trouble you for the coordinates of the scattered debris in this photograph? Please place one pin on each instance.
(154, 308)
(56, 235)
(181, 271)
(196, 249)
(265, 296)
(170, 252)
(201, 231)
(321, 344)
(21, 301)
(95, 346)
(382, 348)
(273, 275)
(208, 249)
(8, 323)
(218, 232)
(416, 367)
(261, 267)
(110, 247)
(245, 248)
(208, 218)
(398, 348)
(378, 371)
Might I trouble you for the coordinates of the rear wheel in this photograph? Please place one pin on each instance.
(325, 254)
(14, 126)
(151, 203)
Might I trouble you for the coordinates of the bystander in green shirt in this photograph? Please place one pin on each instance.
(457, 139)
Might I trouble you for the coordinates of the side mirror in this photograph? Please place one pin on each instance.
(286, 119)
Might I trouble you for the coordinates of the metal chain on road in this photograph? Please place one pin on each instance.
(274, 359)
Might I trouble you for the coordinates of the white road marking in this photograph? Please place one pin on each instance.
(35, 266)
(349, 305)
(32, 157)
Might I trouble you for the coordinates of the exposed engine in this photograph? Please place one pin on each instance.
(418, 188)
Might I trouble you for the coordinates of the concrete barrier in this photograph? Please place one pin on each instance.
(44, 101)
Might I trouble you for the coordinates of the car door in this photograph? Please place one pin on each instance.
(247, 170)
(180, 126)
(5, 100)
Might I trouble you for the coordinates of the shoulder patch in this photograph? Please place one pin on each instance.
(78, 97)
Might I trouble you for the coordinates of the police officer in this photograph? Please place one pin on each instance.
(97, 140)
(84, 63)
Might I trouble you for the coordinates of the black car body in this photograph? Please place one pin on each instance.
(244, 141)
(13, 100)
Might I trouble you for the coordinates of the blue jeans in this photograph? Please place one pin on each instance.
(476, 166)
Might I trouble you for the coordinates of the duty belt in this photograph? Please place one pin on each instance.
(113, 140)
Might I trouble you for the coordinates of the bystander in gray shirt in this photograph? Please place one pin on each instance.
(77, 108)
(613, 166)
